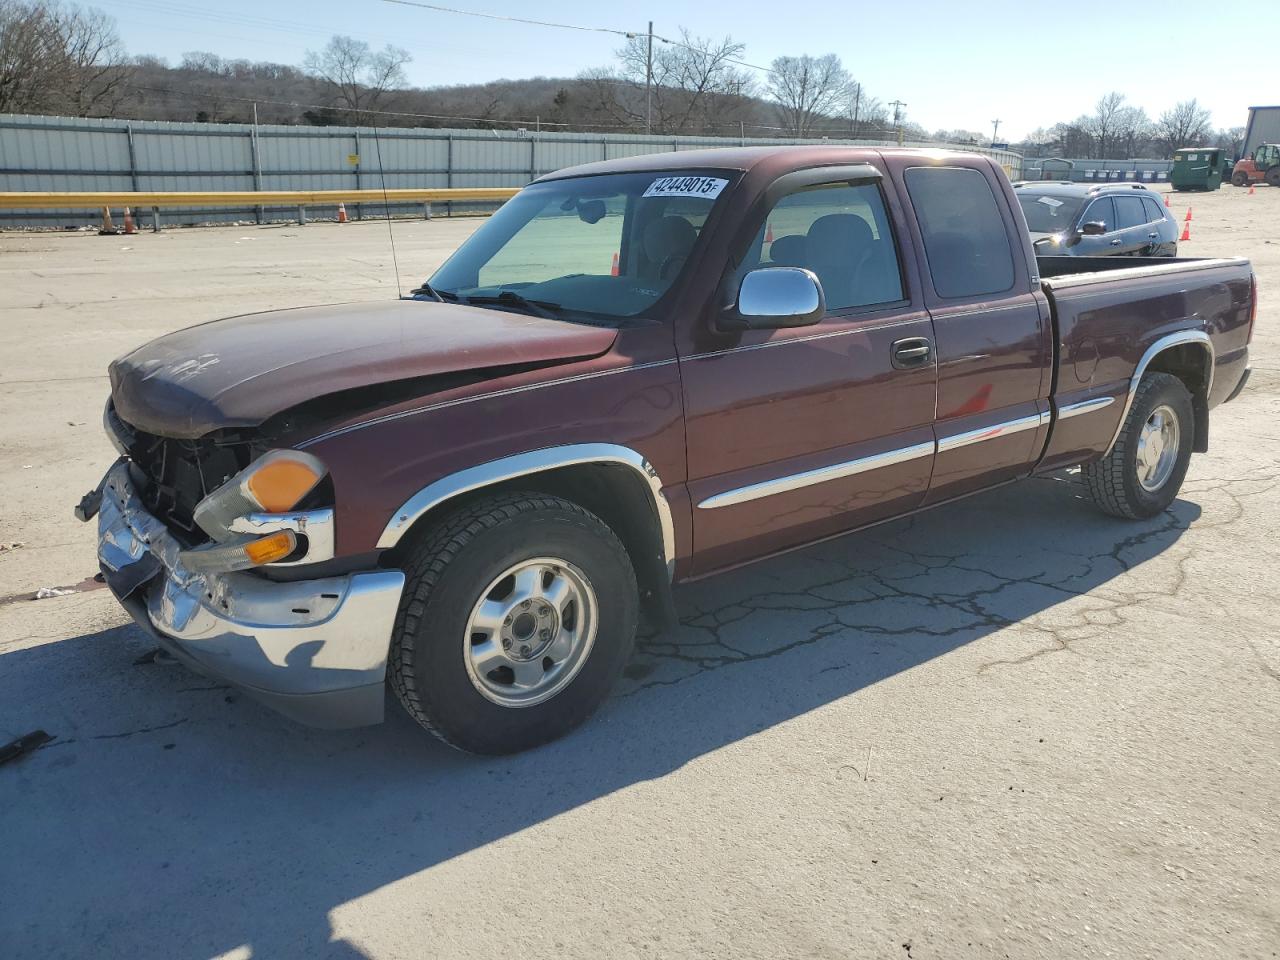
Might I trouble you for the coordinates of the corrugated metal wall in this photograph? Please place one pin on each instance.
(69, 153)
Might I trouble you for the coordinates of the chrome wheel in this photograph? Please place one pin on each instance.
(1157, 452)
(530, 632)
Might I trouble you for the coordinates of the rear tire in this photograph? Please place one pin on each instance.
(1239, 179)
(518, 616)
(1273, 177)
(1142, 474)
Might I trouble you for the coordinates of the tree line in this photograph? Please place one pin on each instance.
(59, 58)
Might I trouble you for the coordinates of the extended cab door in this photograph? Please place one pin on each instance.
(801, 433)
(990, 320)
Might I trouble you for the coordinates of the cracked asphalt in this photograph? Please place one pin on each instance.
(1012, 727)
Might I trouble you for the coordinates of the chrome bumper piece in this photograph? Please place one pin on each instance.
(315, 650)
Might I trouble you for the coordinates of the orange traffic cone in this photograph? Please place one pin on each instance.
(768, 234)
(342, 213)
(1187, 218)
(128, 222)
(613, 271)
(1251, 191)
(1166, 200)
(108, 228)
(1186, 231)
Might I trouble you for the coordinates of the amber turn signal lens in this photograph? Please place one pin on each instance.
(279, 485)
(271, 548)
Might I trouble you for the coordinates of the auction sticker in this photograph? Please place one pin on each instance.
(706, 187)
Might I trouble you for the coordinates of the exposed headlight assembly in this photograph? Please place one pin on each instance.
(273, 484)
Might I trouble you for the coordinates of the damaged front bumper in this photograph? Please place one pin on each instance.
(314, 650)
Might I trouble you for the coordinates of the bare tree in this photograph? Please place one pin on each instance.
(696, 85)
(1103, 124)
(1185, 124)
(358, 78)
(97, 67)
(808, 89)
(58, 58)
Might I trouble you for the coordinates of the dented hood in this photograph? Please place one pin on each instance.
(239, 371)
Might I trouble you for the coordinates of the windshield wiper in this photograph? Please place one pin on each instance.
(541, 308)
(441, 296)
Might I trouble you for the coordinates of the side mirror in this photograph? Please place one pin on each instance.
(1093, 228)
(771, 297)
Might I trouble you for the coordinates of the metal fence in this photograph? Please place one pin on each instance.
(74, 154)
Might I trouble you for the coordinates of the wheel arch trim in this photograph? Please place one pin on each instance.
(528, 464)
(1167, 342)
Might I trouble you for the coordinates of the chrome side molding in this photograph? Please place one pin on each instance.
(1084, 406)
(524, 464)
(957, 440)
(796, 481)
(1153, 351)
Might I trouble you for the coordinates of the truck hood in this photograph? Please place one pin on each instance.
(239, 371)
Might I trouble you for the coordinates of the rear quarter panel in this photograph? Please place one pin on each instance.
(1105, 322)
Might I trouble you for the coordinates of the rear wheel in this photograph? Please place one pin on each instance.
(518, 616)
(1273, 177)
(1142, 474)
(1240, 179)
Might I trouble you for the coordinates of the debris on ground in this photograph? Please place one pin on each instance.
(5, 547)
(24, 744)
(159, 656)
(44, 593)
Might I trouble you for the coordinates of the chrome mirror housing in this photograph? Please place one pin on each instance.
(771, 297)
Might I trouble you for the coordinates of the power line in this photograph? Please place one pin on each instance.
(498, 16)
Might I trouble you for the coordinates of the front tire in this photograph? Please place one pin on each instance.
(1142, 474)
(518, 616)
(1240, 179)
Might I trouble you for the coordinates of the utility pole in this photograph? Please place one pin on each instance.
(897, 112)
(995, 130)
(857, 103)
(648, 84)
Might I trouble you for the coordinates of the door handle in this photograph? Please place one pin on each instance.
(1115, 243)
(911, 352)
(1153, 236)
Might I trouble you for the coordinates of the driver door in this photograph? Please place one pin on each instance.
(799, 433)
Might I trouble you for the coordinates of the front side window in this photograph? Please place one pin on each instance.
(1100, 212)
(602, 248)
(965, 238)
(841, 232)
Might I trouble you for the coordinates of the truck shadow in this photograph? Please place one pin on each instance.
(174, 818)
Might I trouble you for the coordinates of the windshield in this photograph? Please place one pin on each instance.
(1046, 214)
(602, 247)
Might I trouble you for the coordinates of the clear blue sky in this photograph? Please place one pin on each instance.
(955, 64)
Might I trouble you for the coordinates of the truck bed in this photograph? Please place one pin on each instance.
(1077, 271)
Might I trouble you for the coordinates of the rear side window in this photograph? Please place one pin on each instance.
(1155, 212)
(965, 239)
(1129, 212)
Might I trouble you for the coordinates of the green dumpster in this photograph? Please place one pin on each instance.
(1198, 168)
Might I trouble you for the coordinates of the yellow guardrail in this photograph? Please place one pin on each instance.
(37, 200)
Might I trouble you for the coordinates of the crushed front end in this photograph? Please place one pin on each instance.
(207, 544)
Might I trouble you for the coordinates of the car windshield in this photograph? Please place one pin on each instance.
(1048, 214)
(601, 248)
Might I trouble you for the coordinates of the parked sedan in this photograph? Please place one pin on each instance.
(1082, 220)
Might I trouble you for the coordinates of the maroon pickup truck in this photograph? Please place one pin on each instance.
(635, 374)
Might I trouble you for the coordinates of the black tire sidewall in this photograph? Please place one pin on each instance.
(463, 714)
(1173, 394)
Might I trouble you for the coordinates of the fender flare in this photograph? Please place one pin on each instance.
(526, 464)
(1167, 342)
